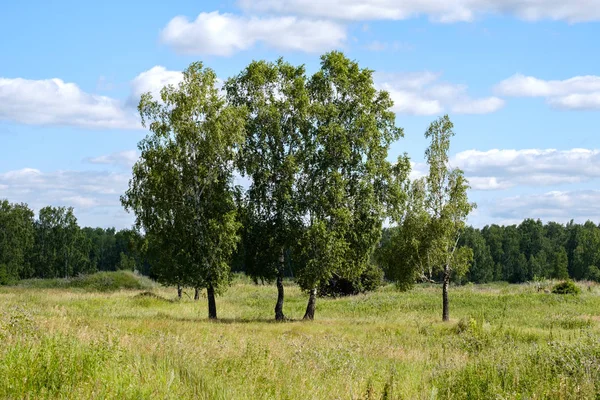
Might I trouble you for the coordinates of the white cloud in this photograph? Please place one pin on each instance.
(421, 94)
(225, 34)
(577, 101)
(478, 106)
(153, 81)
(502, 169)
(123, 158)
(55, 102)
(436, 10)
(93, 194)
(528, 86)
(577, 93)
(559, 206)
(487, 183)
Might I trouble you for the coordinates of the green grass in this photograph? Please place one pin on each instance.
(100, 281)
(503, 342)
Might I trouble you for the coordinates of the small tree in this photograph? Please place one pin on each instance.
(448, 206)
(182, 190)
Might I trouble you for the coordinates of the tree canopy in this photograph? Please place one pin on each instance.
(182, 190)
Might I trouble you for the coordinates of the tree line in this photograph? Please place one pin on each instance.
(53, 245)
(533, 250)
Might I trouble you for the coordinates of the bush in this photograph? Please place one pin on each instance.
(337, 286)
(594, 273)
(566, 287)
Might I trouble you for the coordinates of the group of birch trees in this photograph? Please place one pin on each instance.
(314, 151)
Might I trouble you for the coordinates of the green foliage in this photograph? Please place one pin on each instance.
(560, 265)
(62, 248)
(126, 262)
(276, 98)
(369, 280)
(447, 204)
(182, 191)
(401, 251)
(594, 273)
(16, 241)
(566, 287)
(108, 246)
(482, 266)
(426, 245)
(345, 192)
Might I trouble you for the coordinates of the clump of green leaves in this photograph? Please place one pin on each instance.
(566, 287)
(370, 279)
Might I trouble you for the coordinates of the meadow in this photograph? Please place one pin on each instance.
(503, 342)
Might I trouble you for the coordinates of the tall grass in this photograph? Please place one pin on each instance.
(505, 342)
(100, 281)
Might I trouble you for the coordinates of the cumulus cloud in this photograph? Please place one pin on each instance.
(577, 93)
(225, 34)
(421, 93)
(559, 206)
(124, 159)
(436, 10)
(93, 194)
(501, 169)
(55, 102)
(153, 80)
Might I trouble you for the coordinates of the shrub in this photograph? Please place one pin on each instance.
(566, 287)
(594, 273)
(369, 280)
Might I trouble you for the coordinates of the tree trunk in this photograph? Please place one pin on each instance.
(279, 316)
(212, 305)
(309, 315)
(196, 294)
(445, 304)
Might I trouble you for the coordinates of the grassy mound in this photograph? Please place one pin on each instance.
(566, 287)
(100, 282)
(152, 296)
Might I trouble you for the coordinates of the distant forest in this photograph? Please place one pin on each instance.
(53, 245)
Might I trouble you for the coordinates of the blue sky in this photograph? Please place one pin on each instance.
(520, 80)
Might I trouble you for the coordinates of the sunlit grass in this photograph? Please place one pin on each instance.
(503, 341)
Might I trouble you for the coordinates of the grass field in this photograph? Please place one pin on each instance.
(504, 342)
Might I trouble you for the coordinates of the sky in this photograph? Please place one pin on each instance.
(520, 79)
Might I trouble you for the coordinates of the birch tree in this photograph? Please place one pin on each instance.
(182, 190)
(448, 206)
